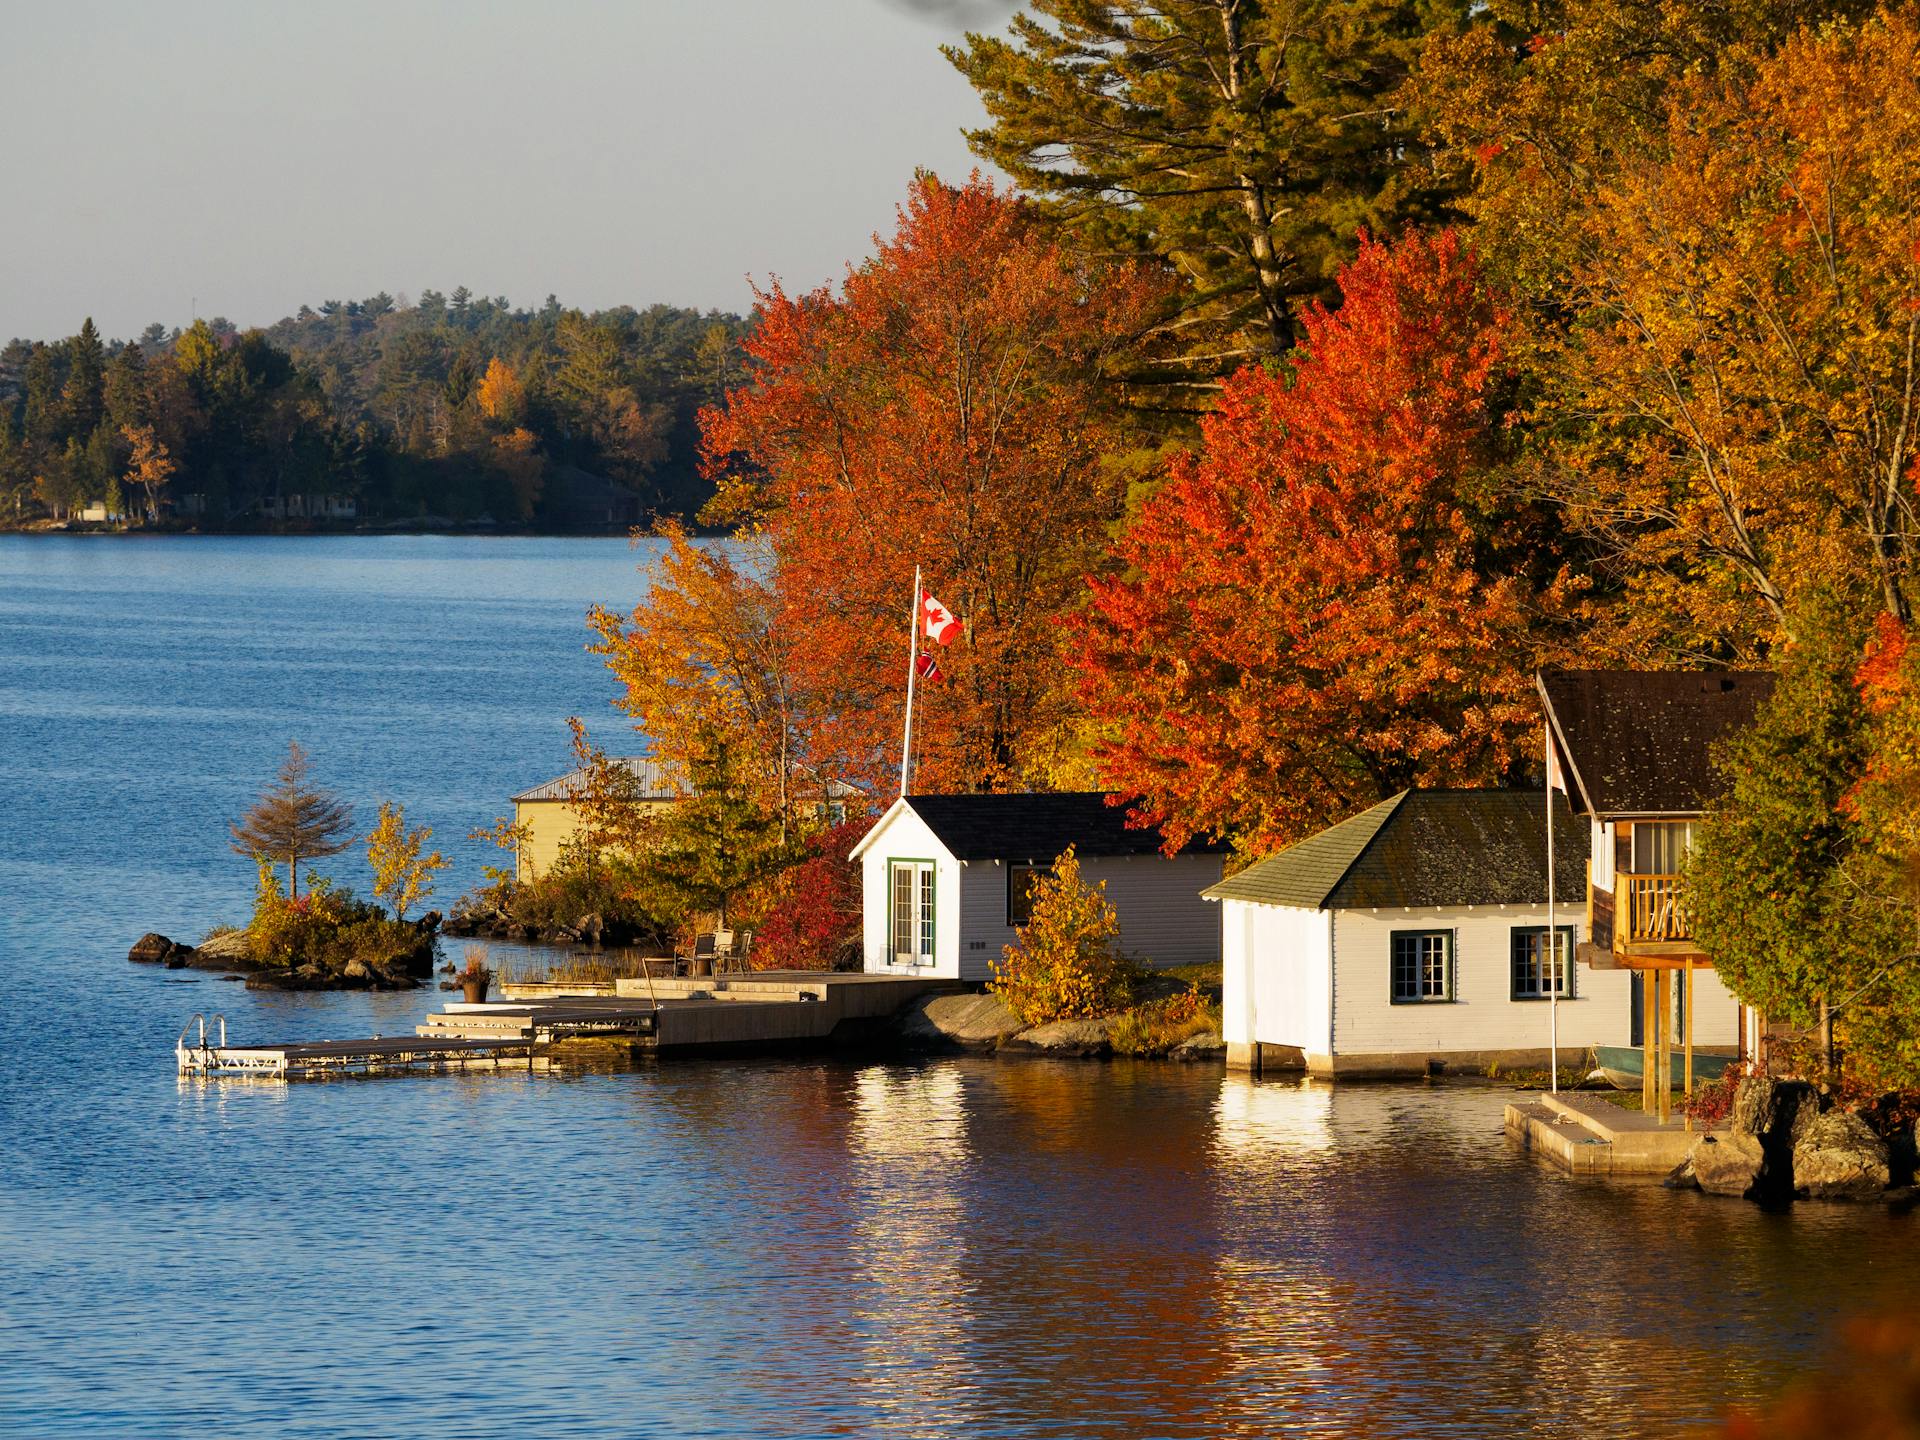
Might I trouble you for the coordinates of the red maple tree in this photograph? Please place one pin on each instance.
(944, 408)
(1312, 615)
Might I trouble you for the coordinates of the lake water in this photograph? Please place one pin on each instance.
(956, 1248)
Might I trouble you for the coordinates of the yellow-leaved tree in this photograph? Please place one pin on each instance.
(148, 465)
(1736, 391)
(1065, 964)
(501, 395)
(704, 662)
(403, 867)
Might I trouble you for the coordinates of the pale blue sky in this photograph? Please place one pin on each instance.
(245, 156)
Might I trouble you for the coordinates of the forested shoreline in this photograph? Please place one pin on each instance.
(453, 411)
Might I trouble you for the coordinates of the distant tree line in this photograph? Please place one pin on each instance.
(457, 408)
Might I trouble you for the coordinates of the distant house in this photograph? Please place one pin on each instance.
(946, 879)
(550, 821)
(303, 506)
(1634, 749)
(1412, 935)
(577, 499)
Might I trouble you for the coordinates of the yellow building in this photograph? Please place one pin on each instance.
(546, 811)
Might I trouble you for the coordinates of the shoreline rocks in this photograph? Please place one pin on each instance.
(1782, 1145)
(981, 1023)
(227, 951)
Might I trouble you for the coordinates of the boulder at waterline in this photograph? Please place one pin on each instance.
(1207, 1045)
(153, 948)
(1069, 1037)
(947, 1021)
(1727, 1164)
(1837, 1156)
(1764, 1107)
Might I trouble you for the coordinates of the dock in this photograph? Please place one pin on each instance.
(761, 1012)
(210, 1054)
(1587, 1135)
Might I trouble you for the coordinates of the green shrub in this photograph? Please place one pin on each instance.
(330, 928)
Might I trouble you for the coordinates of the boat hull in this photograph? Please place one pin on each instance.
(1625, 1065)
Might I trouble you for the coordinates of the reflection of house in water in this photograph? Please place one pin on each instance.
(909, 1221)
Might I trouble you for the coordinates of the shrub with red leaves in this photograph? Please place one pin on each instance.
(815, 922)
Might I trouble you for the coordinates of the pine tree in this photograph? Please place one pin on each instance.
(1239, 143)
(294, 821)
(717, 842)
(86, 375)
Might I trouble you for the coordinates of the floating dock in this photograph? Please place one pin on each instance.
(760, 1012)
(377, 1054)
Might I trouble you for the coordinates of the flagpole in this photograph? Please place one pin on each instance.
(913, 663)
(1553, 937)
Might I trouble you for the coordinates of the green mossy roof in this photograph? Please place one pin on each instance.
(1425, 847)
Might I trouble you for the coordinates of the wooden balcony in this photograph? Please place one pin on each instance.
(1649, 919)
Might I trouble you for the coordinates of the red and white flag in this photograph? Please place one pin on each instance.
(937, 621)
(928, 668)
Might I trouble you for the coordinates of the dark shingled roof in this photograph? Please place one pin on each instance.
(1035, 829)
(1636, 742)
(1426, 847)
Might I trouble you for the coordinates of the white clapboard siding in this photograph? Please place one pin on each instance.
(1275, 972)
(903, 835)
(1483, 1015)
(1163, 920)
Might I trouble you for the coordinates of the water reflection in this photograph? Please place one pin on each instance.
(909, 1222)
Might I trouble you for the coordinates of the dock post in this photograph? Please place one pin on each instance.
(1686, 1001)
(1664, 984)
(1649, 1028)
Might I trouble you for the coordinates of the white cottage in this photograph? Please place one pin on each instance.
(945, 879)
(1413, 937)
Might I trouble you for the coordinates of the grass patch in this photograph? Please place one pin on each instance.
(1155, 1027)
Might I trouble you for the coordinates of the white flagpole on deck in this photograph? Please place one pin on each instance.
(913, 664)
(1553, 939)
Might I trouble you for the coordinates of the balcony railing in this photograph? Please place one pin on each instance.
(1648, 908)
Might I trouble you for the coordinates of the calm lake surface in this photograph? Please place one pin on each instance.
(956, 1248)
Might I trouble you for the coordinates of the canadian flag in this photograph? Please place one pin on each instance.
(929, 668)
(938, 621)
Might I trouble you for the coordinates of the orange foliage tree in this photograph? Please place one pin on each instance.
(1318, 608)
(705, 657)
(944, 408)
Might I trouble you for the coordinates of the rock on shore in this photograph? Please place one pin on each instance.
(1780, 1144)
(958, 1022)
(1837, 1156)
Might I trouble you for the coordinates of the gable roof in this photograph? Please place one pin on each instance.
(1425, 847)
(1033, 829)
(1639, 742)
(655, 782)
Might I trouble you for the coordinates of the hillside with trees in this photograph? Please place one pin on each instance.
(455, 410)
